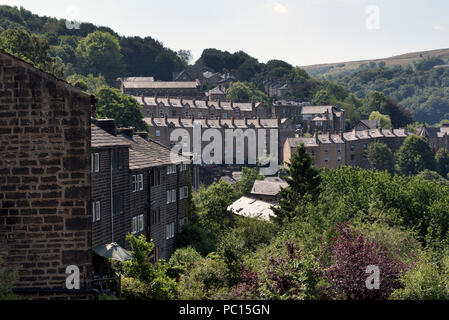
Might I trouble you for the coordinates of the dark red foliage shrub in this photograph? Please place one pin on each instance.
(351, 254)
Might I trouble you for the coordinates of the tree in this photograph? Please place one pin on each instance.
(303, 180)
(442, 162)
(425, 281)
(186, 56)
(380, 157)
(143, 279)
(123, 108)
(99, 53)
(90, 83)
(31, 48)
(385, 120)
(246, 92)
(212, 208)
(414, 156)
(351, 255)
(246, 183)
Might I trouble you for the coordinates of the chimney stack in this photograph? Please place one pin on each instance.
(107, 125)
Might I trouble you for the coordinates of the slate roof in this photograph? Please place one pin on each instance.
(195, 104)
(207, 123)
(102, 139)
(316, 109)
(251, 208)
(267, 187)
(371, 124)
(308, 142)
(162, 85)
(148, 154)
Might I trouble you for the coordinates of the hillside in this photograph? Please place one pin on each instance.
(333, 70)
(90, 49)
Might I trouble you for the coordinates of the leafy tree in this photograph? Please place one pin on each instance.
(385, 120)
(303, 180)
(183, 261)
(351, 254)
(429, 63)
(246, 183)
(442, 162)
(414, 156)
(245, 92)
(90, 83)
(99, 53)
(31, 48)
(143, 279)
(212, 204)
(380, 157)
(186, 56)
(123, 108)
(432, 176)
(427, 280)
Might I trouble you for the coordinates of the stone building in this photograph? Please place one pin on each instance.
(276, 88)
(217, 94)
(160, 130)
(45, 197)
(148, 87)
(319, 119)
(268, 190)
(138, 188)
(345, 149)
(438, 137)
(322, 119)
(200, 109)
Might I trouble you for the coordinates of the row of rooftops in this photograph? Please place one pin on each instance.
(150, 83)
(143, 152)
(218, 124)
(196, 104)
(341, 138)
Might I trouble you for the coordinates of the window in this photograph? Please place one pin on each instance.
(339, 149)
(365, 147)
(161, 113)
(117, 160)
(319, 124)
(225, 115)
(118, 205)
(140, 182)
(170, 231)
(155, 178)
(158, 133)
(352, 157)
(326, 159)
(134, 183)
(352, 147)
(183, 167)
(96, 211)
(95, 162)
(171, 196)
(183, 193)
(138, 224)
(187, 114)
(200, 115)
(156, 216)
(326, 149)
(171, 169)
(339, 159)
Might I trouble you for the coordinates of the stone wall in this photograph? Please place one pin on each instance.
(45, 216)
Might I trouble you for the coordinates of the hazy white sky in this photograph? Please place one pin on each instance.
(301, 32)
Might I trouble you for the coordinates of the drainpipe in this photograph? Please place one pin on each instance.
(112, 199)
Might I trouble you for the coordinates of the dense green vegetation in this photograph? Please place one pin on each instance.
(88, 50)
(331, 225)
(419, 88)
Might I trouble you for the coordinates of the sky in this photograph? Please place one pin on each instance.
(301, 32)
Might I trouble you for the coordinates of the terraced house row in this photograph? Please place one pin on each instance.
(349, 148)
(137, 187)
